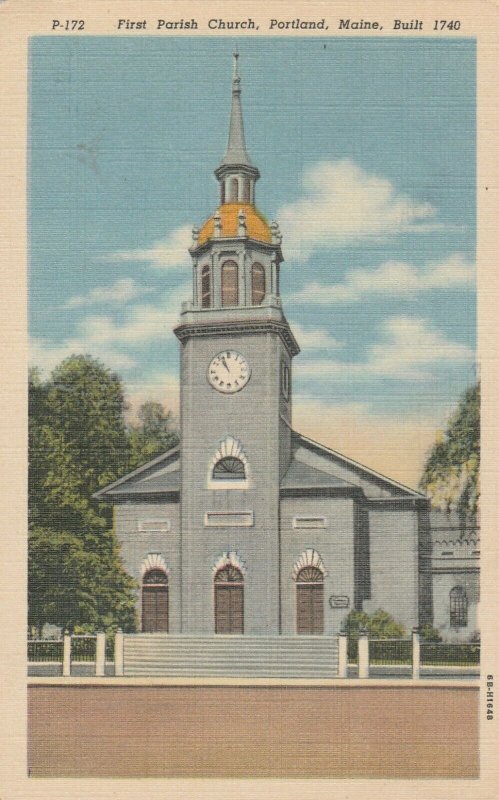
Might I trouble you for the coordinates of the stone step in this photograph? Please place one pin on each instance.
(286, 657)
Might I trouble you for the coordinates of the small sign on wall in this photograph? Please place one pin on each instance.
(339, 601)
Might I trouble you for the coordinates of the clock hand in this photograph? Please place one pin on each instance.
(225, 364)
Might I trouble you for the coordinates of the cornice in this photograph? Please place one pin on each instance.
(185, 331)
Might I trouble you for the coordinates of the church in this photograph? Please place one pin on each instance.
(248, 527)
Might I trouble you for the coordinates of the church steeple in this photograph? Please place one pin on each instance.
(236, 174)
(236, 154)
(236, 252)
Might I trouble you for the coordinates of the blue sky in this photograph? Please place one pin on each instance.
(366, 149)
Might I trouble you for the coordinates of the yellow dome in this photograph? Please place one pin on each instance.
(256, 224)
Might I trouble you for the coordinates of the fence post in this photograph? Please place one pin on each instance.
(342, 654)
(416, 654)
(363, 654)
(100, 654)
(119, 653)
(66, 654)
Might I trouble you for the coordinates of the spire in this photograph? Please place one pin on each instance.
(236, 153)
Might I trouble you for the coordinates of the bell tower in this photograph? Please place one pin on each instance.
(236, 354)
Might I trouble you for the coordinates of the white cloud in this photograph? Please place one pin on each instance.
(314, 338)
(343, 204)
(411, 350)
(45, 356)
(122, 291)
(391, 279)
(111, 341)
(168, 253)
(412, 346)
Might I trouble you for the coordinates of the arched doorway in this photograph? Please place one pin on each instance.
(310, 601)
(229, 600)
(155, 601)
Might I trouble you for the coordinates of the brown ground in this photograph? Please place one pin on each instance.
(264, 731)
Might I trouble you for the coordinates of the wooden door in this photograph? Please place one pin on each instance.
(310, 602)
(155, 603)
(229, 608)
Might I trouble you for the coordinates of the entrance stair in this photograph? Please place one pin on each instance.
(227, 656)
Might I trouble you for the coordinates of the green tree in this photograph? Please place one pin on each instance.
(451, 472)
(87, 405)
(155, 433)
(380, 625)
(72, 586)
(78, 442)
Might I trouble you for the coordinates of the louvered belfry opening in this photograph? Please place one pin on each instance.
(310, 601)
(229, 600)
(155, 602)
(230, 289)
(257, 284)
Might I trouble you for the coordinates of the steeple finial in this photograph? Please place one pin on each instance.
(236, 153)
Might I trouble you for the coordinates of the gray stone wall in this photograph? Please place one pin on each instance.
(252, 417)
(393, 537)
(334, 543)
(443, 582)
(136, 545)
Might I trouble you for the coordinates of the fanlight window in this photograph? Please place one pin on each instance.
(230, 294)
(257, 284)
(458, 607)
(156, 577)
(229, 574)
(205, 287)
(229, 468)
(310, 575)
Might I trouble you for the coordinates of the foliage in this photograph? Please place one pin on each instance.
(71, 585)
(451, 473)
(428, 633)
(155, 433)
(380, 625)
(78, 442)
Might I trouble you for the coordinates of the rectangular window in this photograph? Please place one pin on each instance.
(309, 522)
(154, 525)
(229, 519)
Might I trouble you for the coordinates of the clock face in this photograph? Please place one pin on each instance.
(229, 372)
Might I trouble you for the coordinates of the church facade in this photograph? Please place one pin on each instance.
(248, 527)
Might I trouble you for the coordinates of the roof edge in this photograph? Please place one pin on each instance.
(152, 463)
(358, 466)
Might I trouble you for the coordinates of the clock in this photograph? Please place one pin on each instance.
(228, 372)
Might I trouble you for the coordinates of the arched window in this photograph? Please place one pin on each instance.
(229, 469)
(230, 293)
(229, 600)
(233, 190)
(155, 601)
(246, 191)
(310, 601)
(205, 286)
(257, 284)
(458, 607)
